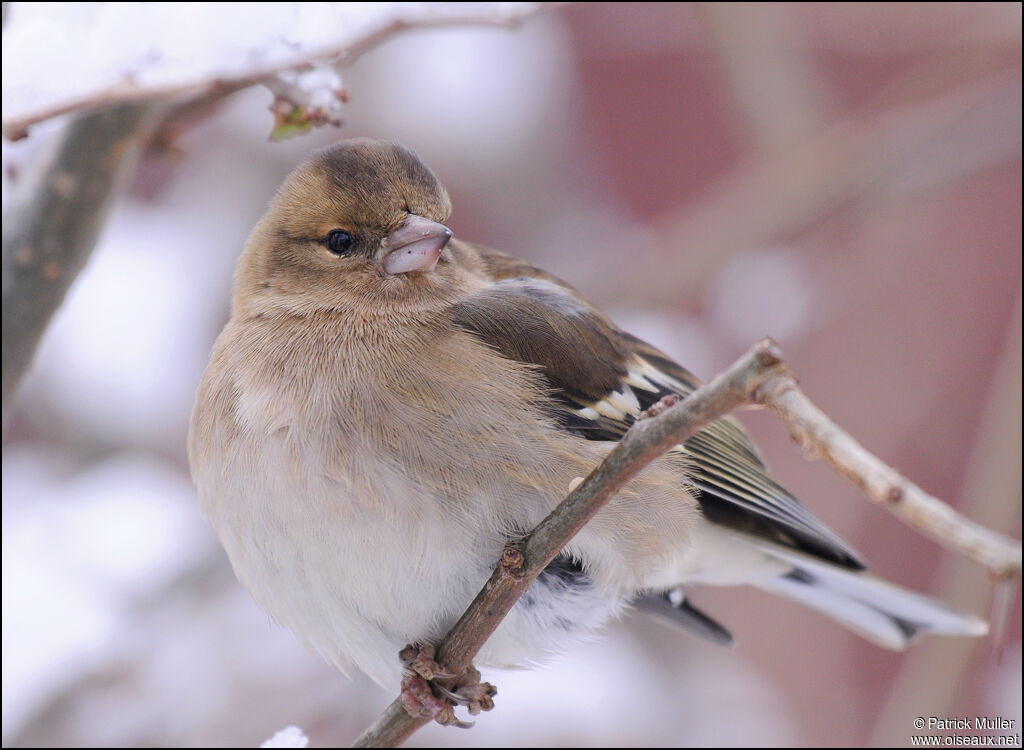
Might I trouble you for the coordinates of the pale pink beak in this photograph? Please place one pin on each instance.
(415, 246)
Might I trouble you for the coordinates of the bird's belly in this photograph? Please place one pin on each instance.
(356, 578)
(354, 584)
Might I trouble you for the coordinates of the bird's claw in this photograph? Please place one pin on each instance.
(424, 696)
(468, 691)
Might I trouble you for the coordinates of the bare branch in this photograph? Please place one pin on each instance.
(760, 376)
(48, 236)
(810, 427)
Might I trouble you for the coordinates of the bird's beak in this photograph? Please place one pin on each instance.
(415, 246)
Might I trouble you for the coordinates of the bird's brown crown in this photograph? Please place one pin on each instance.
(322, 242)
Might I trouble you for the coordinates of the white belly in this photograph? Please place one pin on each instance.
(356, 582)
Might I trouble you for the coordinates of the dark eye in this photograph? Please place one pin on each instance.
(339, 241)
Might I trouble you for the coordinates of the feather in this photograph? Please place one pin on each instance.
(819, 585)
(600, 379)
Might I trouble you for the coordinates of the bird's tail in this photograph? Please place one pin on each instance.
(882, 612)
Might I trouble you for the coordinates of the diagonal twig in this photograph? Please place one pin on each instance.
(760, 376)
(810, 426)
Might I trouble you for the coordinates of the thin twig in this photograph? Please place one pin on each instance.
(760, 376)
(813, 429)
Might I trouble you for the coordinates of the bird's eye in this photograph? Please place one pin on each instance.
(339, 241)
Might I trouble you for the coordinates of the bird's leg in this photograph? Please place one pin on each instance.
(420, 660)
(424, 695)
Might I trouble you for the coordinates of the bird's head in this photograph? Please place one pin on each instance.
(359, 226)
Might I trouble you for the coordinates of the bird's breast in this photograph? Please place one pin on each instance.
(364, 488)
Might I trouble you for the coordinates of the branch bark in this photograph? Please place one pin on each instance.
(49, 234)
(761, 376)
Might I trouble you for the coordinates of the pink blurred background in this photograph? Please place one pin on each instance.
(843, 177)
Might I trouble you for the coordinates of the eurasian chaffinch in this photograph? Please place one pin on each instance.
(388, 407)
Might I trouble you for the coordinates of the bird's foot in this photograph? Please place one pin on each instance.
(423, 693)
(419, 700)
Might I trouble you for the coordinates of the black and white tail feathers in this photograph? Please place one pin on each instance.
(882, 612)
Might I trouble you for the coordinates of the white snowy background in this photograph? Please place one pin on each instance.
(582, 140)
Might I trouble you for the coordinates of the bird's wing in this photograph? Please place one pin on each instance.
(601, 378)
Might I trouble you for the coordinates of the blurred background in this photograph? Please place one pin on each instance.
(843, 177)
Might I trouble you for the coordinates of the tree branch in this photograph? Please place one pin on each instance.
(760, 376)
(52, 227)
(343, 52)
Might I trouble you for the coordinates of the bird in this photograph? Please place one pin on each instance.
(389, 406)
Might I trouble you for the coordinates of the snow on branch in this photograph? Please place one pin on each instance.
(64, 58)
